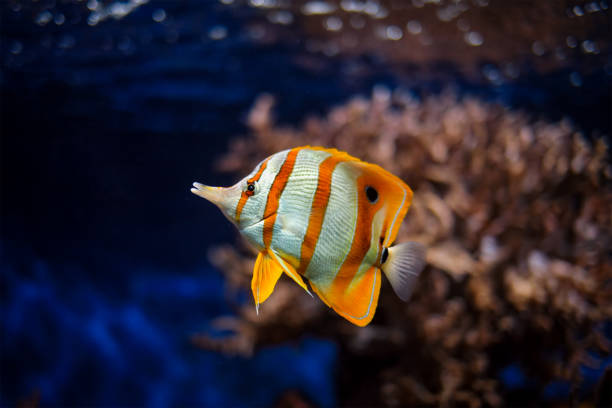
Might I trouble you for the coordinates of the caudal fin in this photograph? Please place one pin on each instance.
(402, 267)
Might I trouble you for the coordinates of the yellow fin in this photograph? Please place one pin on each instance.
(358, 303)
(290, 270)
(268, 269)
(265, 275)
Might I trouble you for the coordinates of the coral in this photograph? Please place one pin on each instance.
(516, 215)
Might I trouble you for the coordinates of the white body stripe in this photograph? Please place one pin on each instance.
(256, 205)
(295, 204)
(338, 229)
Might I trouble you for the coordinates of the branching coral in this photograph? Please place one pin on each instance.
(517, 216)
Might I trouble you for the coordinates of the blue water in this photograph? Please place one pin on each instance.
(80, 344)
(104, 128)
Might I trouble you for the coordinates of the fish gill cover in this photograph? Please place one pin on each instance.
(496, 113)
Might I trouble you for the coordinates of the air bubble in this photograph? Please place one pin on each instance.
(159, 15)
(474, 38)
(394, 33)
(575, 79)
(281, 17)
(59, 19)
(352, 6)
(578, 11)
(317, 7)
(217, 33)
(571, 42)
(333, 24)
(492, 74)
(590, 47)
(16, 47)
(592, 7)
(43, 18)
(538, 48)
(414, 27)
(93, 5)
(263, 3)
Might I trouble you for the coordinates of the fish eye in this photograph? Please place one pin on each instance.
(251, 188)
(372, 194)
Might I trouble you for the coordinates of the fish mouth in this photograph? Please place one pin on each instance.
(212, 194)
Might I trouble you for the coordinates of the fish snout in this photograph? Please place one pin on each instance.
(215, 195)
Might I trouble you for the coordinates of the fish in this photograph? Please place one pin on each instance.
(322, 216)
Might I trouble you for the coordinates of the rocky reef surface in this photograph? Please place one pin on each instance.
(515, 303)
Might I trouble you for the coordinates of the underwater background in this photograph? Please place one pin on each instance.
(119, 287)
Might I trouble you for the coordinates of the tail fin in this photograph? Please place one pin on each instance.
(402, 267)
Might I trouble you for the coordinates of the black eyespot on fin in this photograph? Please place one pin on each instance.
(372, 194)
(384, 256)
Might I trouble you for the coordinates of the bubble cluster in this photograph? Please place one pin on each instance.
(116, 10)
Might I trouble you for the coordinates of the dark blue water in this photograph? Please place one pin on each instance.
(104, 128)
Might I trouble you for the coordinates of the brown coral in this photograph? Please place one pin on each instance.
(517, 216)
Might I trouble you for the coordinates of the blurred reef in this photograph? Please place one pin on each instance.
(516, 217)
(118, 287)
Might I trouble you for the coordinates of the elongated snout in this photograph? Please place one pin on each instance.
(225, 198)
(216, 195)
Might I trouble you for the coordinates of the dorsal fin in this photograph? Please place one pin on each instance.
(335, 152)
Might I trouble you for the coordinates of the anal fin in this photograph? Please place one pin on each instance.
(355, 299)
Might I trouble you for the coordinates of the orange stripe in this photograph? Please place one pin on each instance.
(244, 197)
(361, 240)
(276, 189)
(317, 210)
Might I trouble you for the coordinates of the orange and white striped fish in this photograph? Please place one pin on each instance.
(326, 216)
